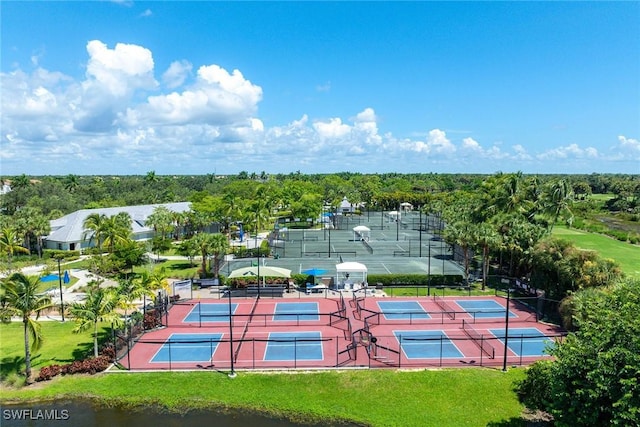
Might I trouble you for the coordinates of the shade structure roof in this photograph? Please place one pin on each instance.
(354, 267)
(263, 271)
(361, 228)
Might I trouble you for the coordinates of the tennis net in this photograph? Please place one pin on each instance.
(246, 328)
(477, 338)
(444, 305)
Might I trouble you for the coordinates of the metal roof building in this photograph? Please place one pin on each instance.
(68, 232)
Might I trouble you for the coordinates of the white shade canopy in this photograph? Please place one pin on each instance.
(361, 228)
(263, 271)
(351, 267)
(351, 272)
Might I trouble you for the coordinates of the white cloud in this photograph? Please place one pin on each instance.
(568, 151)
(216, 98)
(118, 119)
(146, 13)
(628, 147)
(332, 129)
(176, 74)
(470, 146)
(120, 70)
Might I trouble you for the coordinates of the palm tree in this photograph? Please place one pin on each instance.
(486, 238)
(460, 233)
(161, 220)
(117, 229)
(95, 225)
(559, 200)
(204, 242)
(19, 297)
(99, 306)
(32, 225)
(219, 246)
(10, 243)
(128, 291)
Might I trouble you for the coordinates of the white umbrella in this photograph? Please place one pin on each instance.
(264, 271)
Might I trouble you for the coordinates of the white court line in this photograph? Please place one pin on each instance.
(385, 267)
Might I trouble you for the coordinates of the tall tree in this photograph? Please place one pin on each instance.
(19, 296)
(461, 233)
(32, 225)
(10, 244)
(558, 201)
(95, 226)
(117, 230)
(485, 238)
(593, 379)
(100, 305)
(219, 246)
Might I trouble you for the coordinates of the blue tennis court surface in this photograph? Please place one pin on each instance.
(525, 341)
(296, 311)
(396, 310)
(484, 308)
(293, 346)
(210, 312)
(426, 344)
(188, 348)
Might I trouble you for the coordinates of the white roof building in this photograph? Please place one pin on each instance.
(68, 232)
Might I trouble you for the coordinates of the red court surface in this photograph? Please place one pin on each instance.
(321, 333)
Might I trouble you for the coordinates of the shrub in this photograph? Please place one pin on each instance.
(49, 372)
(151, 320)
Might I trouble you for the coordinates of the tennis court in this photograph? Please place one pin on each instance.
(294, 346)
(305, 311)
(483, 308)
(526, 342)
(395, 310)
(210, 312)
(329, 332)
(426, 344)
(188, 348)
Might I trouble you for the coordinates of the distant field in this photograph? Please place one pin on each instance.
(602, 197)
(627, 255)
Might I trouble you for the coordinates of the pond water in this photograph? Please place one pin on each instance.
(84, 414)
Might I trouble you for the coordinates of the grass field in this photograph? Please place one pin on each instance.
(449, 397)
(627, 255)
(60, 346)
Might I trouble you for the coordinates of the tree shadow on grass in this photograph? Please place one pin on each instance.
(180, 266)
(15, 365)
(520, 422)
(85, 349)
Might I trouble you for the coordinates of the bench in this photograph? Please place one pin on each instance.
(206, 283)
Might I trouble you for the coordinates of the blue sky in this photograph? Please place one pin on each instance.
(129, 87)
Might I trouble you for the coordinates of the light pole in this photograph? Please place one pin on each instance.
(329, 247)
(60, 284)
(420, 228)
(398, 225)
(232, 374)
(506, 331)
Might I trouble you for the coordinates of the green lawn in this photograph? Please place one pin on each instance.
(60, 346)
(627, 255)
(447, 397)
(451, 397)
